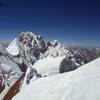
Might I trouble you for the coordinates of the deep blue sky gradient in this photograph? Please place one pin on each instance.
(70, 21)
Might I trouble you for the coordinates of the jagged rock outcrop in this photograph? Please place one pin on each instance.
(31, 74)
(68, 64)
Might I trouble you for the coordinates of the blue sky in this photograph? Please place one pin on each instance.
(69, 21)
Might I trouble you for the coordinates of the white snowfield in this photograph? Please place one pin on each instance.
(46, 67)
(81, 84)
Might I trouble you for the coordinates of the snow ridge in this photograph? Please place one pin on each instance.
(81, 84)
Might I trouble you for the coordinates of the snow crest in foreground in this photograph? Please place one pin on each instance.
(81, 84)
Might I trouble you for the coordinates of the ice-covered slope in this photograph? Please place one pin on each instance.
(81, 84)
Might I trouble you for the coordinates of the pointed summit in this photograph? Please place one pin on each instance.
(26, 37)
(28, 33)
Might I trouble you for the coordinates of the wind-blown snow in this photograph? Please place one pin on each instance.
(13, 48)
(81, 84)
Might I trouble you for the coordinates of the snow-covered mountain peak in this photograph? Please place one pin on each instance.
(27, 47)
(32, 47)
(29, 38)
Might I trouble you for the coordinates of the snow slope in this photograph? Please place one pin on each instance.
(81, 84)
